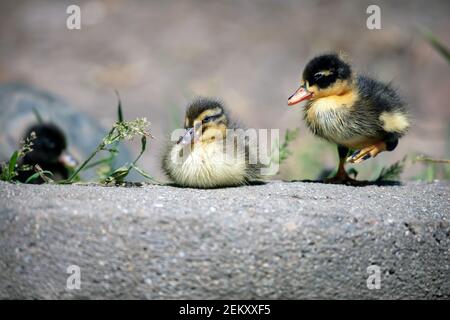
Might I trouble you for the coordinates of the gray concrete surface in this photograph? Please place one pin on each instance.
(280, 240)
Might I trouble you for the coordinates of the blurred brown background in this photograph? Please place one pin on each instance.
(161, 54)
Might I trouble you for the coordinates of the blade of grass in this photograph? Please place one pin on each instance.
(431, 160)
(83, 165)
(113, 150)
(9, 169)
(144, 174)
(38, 116)
(122, 130)
(106, 160)
(99, 148)
(143, 146)
(121, 173)
(37, 175)
(135, 167)
(12, 165)
(43, 174)
(118, 175)
(393, 172)
(437, 44)
(119, 107)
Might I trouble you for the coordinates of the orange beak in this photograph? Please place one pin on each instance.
(300, 95)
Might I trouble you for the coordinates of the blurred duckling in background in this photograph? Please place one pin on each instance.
(354, 111)
(48, 151)
(212, 152)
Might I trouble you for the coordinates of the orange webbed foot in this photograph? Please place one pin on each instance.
(341, 179)
(367, 153)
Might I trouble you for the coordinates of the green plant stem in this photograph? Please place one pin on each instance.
(84, 164)
(96, 163)
(431, 160)
(104, 160)
(100, 147)
(437, 44)
(143, 146)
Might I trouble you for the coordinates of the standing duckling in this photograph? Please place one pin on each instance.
(212, 152)
(353, 111)
(48, 151)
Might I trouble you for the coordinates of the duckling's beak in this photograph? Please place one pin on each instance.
(187, 137)
(300, 95)
(67, 160)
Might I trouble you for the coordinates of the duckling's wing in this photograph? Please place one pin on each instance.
(381, 96)
(383, 101)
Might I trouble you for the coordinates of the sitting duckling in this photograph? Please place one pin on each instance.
(212, 152)
(353, 111)
(48, 151)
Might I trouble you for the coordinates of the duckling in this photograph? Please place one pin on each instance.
(48, 151)
(213, 151)
(355, 112)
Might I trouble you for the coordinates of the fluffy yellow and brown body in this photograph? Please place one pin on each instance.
(355, 112)
(354, 119)
(212, 152)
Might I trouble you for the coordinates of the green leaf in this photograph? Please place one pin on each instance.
(143, 146)
(12, 165)
(39, 174)
(4, 174)
(119, 107)
(143, 173)
(118, 175)
(143, 143)
(392, 172)
(32, 177)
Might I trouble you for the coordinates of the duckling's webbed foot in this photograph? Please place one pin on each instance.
(366, 153)
(341, 176)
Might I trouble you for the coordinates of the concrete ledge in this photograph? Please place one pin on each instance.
(279, 240)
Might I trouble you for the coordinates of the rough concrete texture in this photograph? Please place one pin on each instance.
(280, 240)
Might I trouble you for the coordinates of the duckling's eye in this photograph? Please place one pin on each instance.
(324, 78)
(322, 74)
(47, 144)
(318, 76)
(209, 118)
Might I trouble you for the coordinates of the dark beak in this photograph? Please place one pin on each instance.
(67, 160)
(188, 137)
(300, 95)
